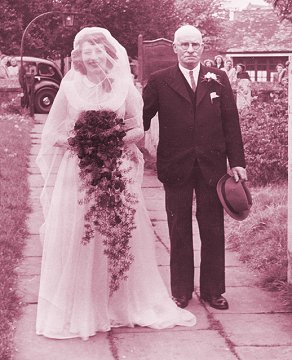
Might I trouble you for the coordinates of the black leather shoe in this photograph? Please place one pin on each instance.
(216, 301)
(181, 301)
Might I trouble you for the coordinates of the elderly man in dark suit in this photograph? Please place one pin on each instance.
(198, 132)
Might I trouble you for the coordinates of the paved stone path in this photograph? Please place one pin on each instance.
(256, 327)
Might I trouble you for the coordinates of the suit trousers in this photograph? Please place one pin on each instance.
(210, 218)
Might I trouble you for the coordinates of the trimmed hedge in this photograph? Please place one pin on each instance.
(265, 135)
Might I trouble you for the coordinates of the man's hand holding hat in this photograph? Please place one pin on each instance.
(239, 173)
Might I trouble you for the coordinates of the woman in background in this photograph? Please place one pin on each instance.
(209, 62)
(243, 98)
(219, 61)
(230, 71)
(3, 67)
(13, 69)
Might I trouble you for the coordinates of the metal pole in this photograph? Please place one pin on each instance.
(22, 77)
(22, 41)
(290, 171)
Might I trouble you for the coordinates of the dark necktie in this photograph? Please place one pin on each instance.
(193, 83)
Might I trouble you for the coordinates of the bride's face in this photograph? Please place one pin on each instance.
(93, 57)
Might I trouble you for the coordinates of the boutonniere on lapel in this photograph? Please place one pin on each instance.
(213, 95)
(209, 77)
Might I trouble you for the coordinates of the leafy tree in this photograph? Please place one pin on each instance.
(14, 16)
(125, 19)
(265, 135)
(283, 8)
(207, 15)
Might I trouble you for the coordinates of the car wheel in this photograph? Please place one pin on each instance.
(44, 99)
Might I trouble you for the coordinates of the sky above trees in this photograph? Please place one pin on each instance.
(243, 3)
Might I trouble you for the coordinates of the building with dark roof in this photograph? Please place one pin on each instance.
(258, 39)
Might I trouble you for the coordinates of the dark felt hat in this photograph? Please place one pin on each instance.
(234, 196)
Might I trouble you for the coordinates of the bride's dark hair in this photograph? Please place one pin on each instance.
(93, 39)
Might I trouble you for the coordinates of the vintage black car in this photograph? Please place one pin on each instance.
(47, 79)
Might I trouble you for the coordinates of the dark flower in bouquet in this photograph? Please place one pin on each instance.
(97, 140)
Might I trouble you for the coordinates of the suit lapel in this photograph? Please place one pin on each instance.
(202, 86)
(176, 81)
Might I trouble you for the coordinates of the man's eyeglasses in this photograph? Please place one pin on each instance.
(186, 45)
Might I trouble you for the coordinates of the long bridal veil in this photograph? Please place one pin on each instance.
(74, 296)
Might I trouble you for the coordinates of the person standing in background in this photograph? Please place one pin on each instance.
(219, 61)
(230, 71)
(3, 68)
(243, 87)
(13, 69)
(209, 62)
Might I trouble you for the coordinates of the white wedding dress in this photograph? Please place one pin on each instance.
(74, 296)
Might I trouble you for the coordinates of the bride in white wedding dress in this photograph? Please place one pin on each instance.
(74, 296)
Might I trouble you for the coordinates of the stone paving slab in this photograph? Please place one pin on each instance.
(28, 288)
(36, 139)
(151, 181)
(35, 148)
(161, 229)
(257, 329)
(203, 321)
(264, 353)
(151, 193)
(232, 259)
(35, 206)
(33, 169)
(154, 204)
(185, 345)
(239, 276)
(35, 194)
(250, 300)
(36, 180)
(157, 215)
(36, 136)
(162, 255)
(37, 129)
(40, 118)
(33, 347)
(33, 246)
(31, 265)
(35, 222)
(234, 276)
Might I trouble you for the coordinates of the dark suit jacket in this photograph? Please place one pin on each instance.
(193, 129)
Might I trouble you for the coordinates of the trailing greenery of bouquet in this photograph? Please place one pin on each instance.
(97, 140)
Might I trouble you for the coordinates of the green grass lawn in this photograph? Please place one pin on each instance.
(261, 239)
(14, 209)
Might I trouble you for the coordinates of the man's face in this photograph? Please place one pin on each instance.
(189, 48)
(228, 65)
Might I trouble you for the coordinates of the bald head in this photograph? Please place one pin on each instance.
(188, 45)
(187, 30)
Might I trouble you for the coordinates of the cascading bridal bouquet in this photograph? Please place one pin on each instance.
(97, 140)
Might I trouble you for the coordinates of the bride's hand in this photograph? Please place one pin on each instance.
(133, 136)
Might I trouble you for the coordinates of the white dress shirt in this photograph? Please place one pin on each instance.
(186, 74)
